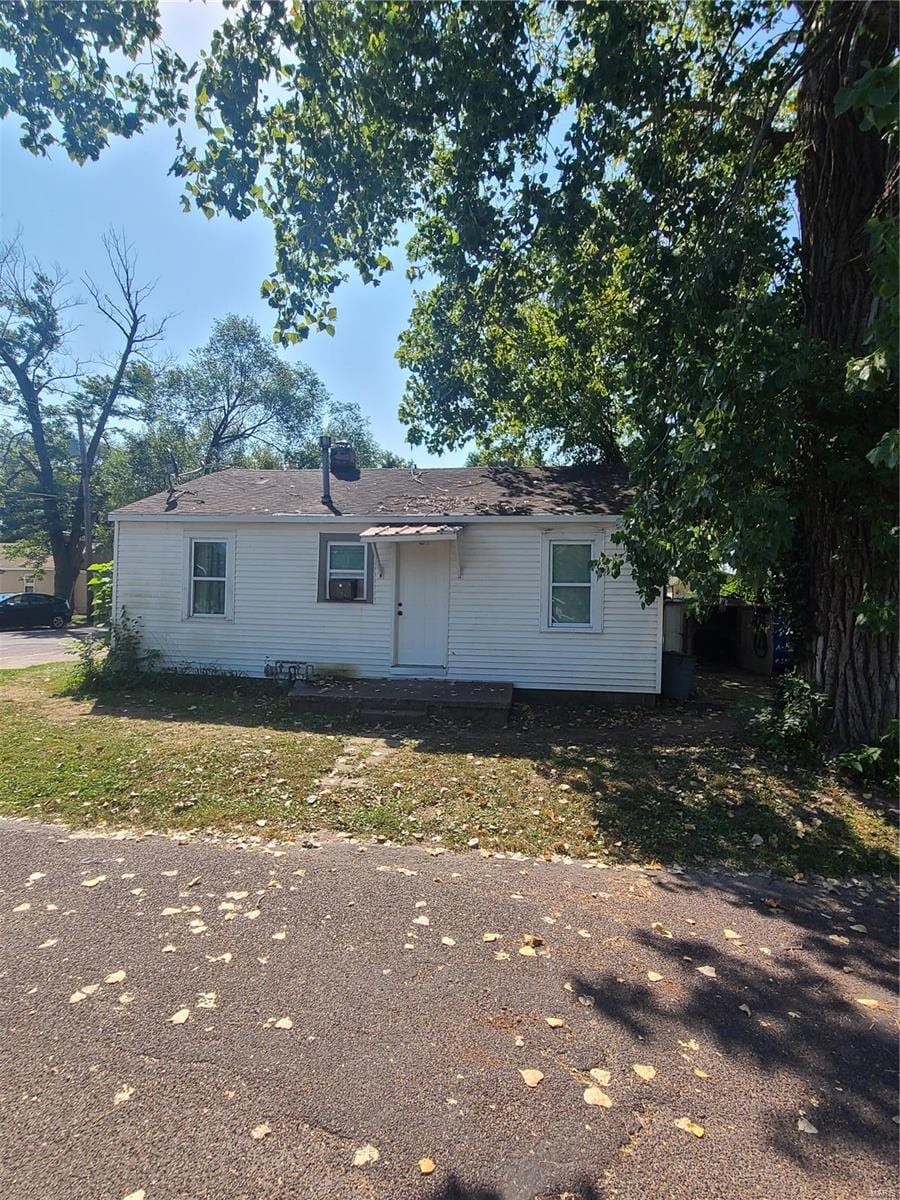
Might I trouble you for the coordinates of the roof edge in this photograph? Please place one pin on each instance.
(547, 518)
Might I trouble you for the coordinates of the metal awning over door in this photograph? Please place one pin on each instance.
(413, 533)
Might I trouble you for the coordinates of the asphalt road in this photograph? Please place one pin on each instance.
(31, 647)
(406, 1030)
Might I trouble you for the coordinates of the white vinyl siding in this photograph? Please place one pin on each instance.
(496, 626)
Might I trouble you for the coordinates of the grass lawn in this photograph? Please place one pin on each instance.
(163, 760)
(627, 785)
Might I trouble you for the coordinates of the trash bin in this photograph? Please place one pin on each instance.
(677, 675)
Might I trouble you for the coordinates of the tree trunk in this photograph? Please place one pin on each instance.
(856, 669)
(844, 180)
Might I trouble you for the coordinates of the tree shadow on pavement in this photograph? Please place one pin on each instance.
(781, 1016)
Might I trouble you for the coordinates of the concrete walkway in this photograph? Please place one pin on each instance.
(212, 1019)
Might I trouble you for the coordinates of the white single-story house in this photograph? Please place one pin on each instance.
(480, 573)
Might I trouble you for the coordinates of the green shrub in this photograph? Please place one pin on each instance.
(110, 662)
(878, 764)
(793, 723)
(99, 581)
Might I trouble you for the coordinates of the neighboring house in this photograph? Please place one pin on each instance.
(16, 575)
(461, 573)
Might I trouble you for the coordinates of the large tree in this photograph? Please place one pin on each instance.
(48, 394)
(236, 392)
(233, 402)
(660, 231)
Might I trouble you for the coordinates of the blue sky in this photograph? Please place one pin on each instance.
(204, 269)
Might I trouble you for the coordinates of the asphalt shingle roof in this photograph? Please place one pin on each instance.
(397, 492)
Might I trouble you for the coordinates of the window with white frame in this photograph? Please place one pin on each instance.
(346, 571)
(572, 593)
(209, 576)
(27, 585)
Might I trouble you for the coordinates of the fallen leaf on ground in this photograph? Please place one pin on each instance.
(447, 941)
(700, 1074)
(77, 997)
(365, 1155)
(555, 1022)
(643, 1072)
(585, 933)
(226, 957)
(600, 1075)
(138, 1195)
(180, 1017)
(259, 1132)
(690, 1126)
(49, 942)
(531, 1077)
(93, 882)
(171, 911)
(115, 977)
(859, 928)
(126, 998)
(124, 1094)
(89, 988)
(252, 914)
(594, 1096)
(654, 976)
(426, 1166)
(709, 972)
(206, 1000)
(22, 907)
(658, 927)
(422, 920)
(532, 939)
(806, 1126)
(528, 951)
(866, 1002)
(732, 935)
(745, 1008)
(279, 936)
(491, 937)
(284, 1023)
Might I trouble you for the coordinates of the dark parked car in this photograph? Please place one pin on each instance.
(33, 610)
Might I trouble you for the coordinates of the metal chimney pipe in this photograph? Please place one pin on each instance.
(325, 447)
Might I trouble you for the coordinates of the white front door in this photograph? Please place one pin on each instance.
(423, 603)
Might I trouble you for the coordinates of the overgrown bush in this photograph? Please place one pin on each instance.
(100, 581)
(793, 722)
(879, 764)
(109, 662)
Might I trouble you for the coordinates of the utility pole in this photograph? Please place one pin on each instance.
(88, 552)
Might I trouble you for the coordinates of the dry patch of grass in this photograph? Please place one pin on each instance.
(695, 800)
